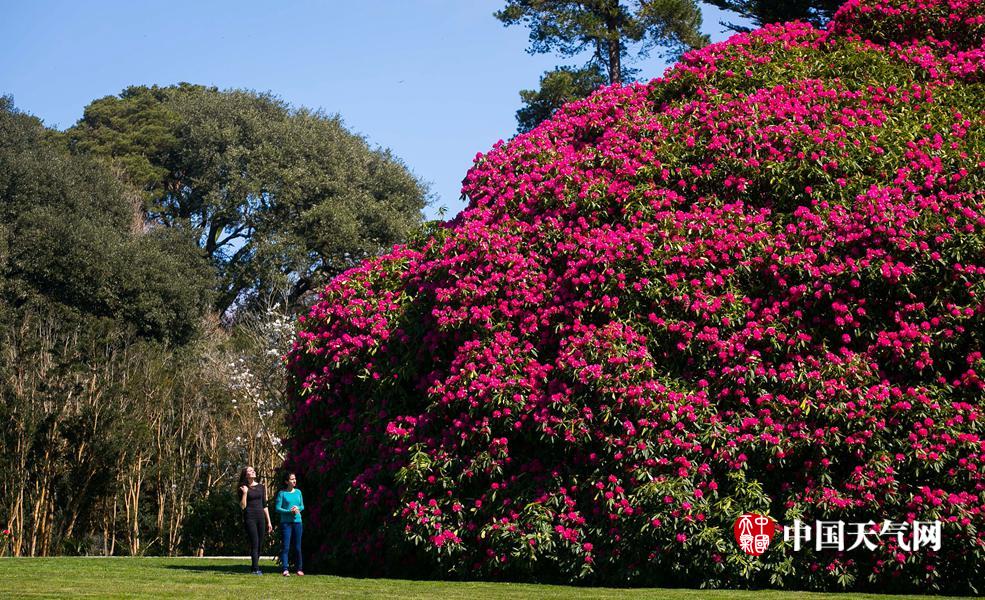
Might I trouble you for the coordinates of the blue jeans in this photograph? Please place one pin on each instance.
(292, 539)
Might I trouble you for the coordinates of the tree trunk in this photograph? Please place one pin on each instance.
(17, 527)
(41, 516)
(80, 495)
(131, 502)
(39, 498)
(112, 540)
(614, 46)
(615, 69)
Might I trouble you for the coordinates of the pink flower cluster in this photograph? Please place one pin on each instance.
(753, 285)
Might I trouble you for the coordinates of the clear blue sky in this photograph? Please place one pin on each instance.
(433, 80)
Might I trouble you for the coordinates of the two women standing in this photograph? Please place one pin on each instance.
(256, 517)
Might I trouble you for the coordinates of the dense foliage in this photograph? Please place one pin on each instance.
(752, 285)
(75, 246)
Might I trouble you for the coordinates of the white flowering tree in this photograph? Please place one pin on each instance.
(254, 372)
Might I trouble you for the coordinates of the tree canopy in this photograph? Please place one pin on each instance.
(762, 12)
(70, 241)
(612, 31)
(277, 197)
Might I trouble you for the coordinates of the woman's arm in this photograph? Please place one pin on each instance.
(243, 490)
(300, 501)
(282, 506)
(266, 513)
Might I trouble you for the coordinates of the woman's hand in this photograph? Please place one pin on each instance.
(294, 509)
(270, 528)
(243, 489)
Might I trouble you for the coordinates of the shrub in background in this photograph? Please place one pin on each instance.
(754, 284)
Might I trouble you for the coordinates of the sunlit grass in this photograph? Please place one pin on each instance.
(68, 577)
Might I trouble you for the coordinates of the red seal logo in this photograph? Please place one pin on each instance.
(754, 533)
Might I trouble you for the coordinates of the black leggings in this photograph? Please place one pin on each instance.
(256, 529)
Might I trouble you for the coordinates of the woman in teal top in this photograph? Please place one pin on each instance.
(289, 505)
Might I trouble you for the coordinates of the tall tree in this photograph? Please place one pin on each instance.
(762, 12)
(277, 197)
(611, 30)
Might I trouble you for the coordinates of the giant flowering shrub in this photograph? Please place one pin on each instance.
(755, 284)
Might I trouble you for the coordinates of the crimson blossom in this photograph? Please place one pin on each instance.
(752, 285)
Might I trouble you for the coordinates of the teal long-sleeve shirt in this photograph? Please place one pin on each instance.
(285, 500)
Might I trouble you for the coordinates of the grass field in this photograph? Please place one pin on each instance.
(77, 577)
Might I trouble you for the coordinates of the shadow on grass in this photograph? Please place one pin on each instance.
(243, 569)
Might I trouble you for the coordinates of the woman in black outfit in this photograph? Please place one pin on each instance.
(253, 501)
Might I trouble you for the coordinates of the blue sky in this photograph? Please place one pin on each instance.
(433, 80)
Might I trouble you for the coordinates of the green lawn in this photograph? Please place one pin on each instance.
(67, 577)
